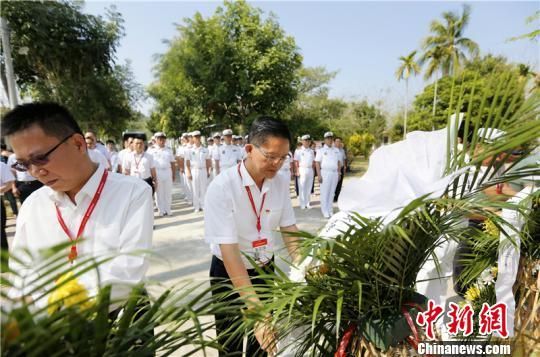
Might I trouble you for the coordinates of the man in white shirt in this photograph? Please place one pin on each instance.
(166, 172)
(198, 168)
(228, 154)
(50, 145)
(328, 165)
(113, 155)
(94, 154)
(303, 161)
(214, 154)
(245, 206)
(25, 184)
(141, 164)
(6, 182)
(128, 143)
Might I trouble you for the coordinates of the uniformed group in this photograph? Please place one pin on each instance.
(198, 164)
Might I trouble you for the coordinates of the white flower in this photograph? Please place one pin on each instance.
(486, 278)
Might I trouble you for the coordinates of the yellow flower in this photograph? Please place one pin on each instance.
(490, 228)
(472, 293)
(494, 271)
(71, 293)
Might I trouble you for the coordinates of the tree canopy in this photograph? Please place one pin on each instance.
(62, 55)
(224, 70)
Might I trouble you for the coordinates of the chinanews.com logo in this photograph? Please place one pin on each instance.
(492, 319)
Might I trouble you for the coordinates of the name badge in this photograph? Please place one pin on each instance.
(259, 248)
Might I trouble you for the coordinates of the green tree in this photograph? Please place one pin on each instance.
(408, 67)
(63, 55)
(447, 40)
(226, 69)
(481, 85)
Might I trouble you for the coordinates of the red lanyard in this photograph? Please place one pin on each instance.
(137, 162)
(73, 253)
(248, 190)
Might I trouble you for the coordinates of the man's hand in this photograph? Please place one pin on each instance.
(189, 176)
(266, 336)
(320, 179)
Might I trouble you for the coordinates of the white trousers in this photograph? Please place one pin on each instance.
(328, 188)
(198, 184)
(305, 181)
(187, 187)
(164, 193)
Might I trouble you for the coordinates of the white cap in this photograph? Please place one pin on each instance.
(489, 135)
(328, 134)
(184, 135)
(160, 134)
(246, 137)
(227, 132)
(306, 137)
(216, 135)
(196, 133)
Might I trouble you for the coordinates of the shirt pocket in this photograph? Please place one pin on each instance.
(272, 218)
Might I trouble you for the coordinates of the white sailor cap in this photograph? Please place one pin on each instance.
(246, 137)
(306, 137)
(227, 132)
(160, 134)
(184, 135)
(196, 133)
(489, 135)
(216, 135)
(328, 134)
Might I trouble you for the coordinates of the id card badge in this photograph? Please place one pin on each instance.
(259, 248)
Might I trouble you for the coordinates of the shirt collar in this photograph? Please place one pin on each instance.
(247, 180)
(88, 189)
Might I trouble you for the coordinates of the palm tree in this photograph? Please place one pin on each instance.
(433, 57)
(408, 66)
(447, 38)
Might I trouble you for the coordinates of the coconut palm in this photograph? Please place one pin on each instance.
(408, 67)
(447, 40)
(433, 59)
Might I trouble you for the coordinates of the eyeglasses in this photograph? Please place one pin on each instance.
(38, 160)
(272, 159)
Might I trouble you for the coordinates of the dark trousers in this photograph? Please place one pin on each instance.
(151, 183)
(12, 202)
(4, 235)
(26, 188)
(339, 184)
(296, 185)
(221, 283)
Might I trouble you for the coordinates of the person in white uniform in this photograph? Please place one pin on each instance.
(128, 148)
(94, 154)
(229, 154)
(165, 173)
(304, 159)
(141, 164)
(245, 207)
(328, 165)
(50, 145)
(214, 154)
(198, 167)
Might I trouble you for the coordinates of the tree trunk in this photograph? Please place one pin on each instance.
(434, 103)
(406, 107)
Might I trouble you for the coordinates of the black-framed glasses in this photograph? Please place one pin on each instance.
(38, 160)
(271, 158)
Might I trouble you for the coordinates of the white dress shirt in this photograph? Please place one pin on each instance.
(5, 174)
(228, 156)
(163, 157)
(97, 157)
(329, 158)
(120, 223)
(197, 157)
(229, 216)
(305, 157)
(139, 165)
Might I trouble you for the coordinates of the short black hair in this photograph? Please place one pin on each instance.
(267, 126)
(111, 142)
(54, 119)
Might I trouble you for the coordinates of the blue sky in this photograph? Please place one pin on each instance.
(361, 40)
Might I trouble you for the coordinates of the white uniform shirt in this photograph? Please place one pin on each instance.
(5, 174)
(19, 175)
(163, 158)
(328, 157)
(228, 155)
(122, 155)
(139, 165)
(214, 153)
(305, 157)
(114, 160)
(229, 216)
(197, 157)
(121, 223)
(97, 157)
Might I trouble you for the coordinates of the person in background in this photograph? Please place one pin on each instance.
(303, 162)
(93, 152)
(8, 195)
(229, 154)
(128, 148)
(113, 154)
(141, 164)
(338, 143)
(165, 173)
(6, 183)
(25, 183)
(328, 164)
(198, 166)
